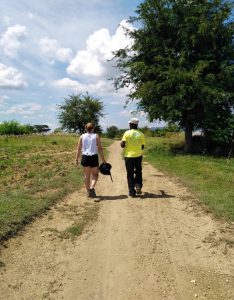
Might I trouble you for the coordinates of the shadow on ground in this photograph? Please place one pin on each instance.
(155, 196)
(119, 197)
(142, 196)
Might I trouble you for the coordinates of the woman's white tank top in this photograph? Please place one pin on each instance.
(89, 144)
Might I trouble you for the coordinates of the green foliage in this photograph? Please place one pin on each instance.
(58, 130)
(78, 110)
(15, 128)
(219, 127)
(147, 131)
(41, 128)
(112, 132)
(181, 62)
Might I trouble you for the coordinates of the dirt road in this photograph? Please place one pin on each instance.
(157, 246)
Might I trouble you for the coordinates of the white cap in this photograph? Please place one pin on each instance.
(134, 121)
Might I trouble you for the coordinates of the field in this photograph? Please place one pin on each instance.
(210, 179)
(35, 172)
(159, 245)
(38, 171)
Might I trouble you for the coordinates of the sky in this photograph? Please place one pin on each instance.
(50, 49)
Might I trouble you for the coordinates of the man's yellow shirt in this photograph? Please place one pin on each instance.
(134, 140)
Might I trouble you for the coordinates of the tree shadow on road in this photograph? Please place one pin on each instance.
(155, 196)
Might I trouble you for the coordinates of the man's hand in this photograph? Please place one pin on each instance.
(76, 162)
(122, 144)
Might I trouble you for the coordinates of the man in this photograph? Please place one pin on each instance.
(133, 142)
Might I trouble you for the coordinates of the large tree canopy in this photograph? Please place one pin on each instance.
(181, 63)
(78, 110)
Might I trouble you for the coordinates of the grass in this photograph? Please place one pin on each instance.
(35, 172)
(210, 179)
(89, 215)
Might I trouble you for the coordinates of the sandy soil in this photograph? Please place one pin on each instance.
(157, 246)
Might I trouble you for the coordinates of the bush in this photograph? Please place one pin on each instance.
(205, 145)
(12, 128)
(15, 128)
(112, 132)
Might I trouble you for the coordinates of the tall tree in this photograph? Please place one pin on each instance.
(181, 62)
(78, 110)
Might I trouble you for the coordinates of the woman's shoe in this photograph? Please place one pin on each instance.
(92, 193)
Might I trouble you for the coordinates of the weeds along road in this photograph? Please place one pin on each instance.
(158, 246)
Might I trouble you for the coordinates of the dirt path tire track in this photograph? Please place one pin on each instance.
(158, 246)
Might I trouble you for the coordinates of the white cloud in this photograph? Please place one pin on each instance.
(99, 87)
(125, 113)
(118, 101)
(10, 78)
(26, 109)
(52, 49)
(12, 40)
(93, 61)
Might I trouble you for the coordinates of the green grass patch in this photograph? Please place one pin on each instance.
(210, 179)
(35, 172)
(89, 215)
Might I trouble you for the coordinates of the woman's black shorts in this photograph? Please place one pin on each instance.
(90, 161)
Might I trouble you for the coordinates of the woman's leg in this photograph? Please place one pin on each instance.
(95, 173)
(87, 175)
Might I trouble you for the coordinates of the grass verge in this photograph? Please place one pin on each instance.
(35, 172)
(210, 179)
(88, 215)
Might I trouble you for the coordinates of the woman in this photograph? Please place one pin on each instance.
(89, 145)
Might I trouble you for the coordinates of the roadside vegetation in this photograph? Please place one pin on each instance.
(15, 128)
(36, 172)
(210, 178)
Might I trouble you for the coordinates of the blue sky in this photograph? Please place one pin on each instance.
(50, 49)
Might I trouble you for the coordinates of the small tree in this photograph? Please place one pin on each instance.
(78, 110)
(41, 128)
(112, 132)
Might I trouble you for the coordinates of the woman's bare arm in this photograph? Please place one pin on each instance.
(78, 152)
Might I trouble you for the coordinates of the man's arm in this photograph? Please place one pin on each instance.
(143, 142)
(123, 142)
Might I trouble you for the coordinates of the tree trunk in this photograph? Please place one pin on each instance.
(188, 136)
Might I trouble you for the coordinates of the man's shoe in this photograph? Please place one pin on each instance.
(138, 189)
(92, 193)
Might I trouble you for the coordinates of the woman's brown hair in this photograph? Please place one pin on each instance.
(89, 127)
